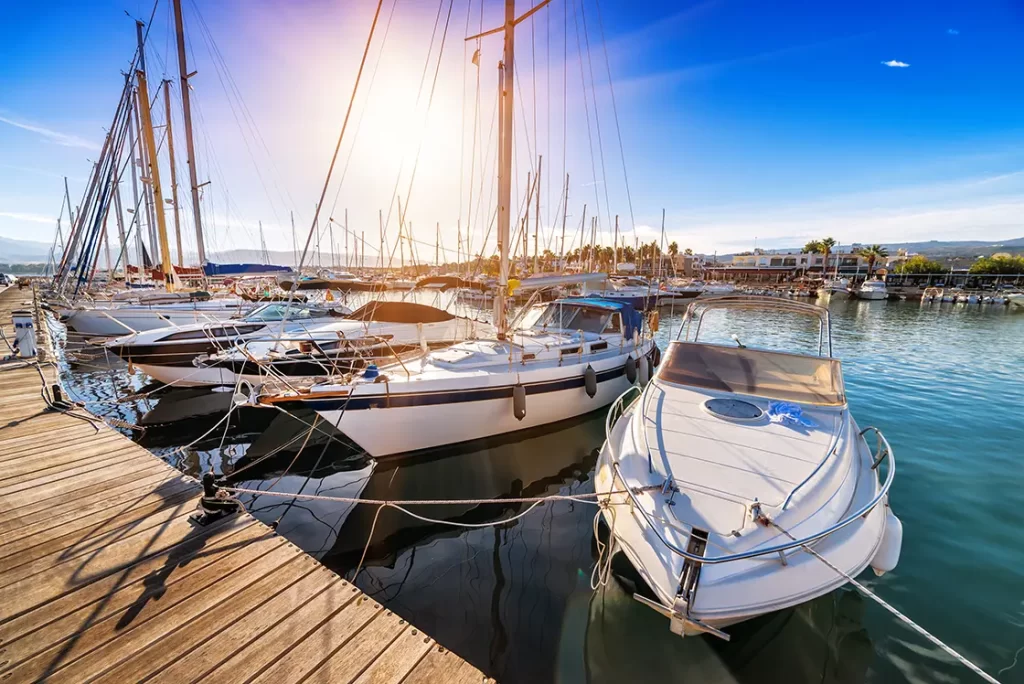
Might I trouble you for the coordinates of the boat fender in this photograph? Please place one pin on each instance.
(888, 554)
(631, 369)
(519, 401)
(655, 356)
(645, 369)
(655, 320)
(370, 372)
(590, 381)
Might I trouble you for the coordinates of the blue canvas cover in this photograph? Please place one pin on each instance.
(211, 269)
(632, 320)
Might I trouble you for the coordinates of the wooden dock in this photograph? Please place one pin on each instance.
(102, 577)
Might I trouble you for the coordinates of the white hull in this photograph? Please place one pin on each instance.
(115, 322)
(1016, 301)
(190, 376)
(872, 295)
(374, 429)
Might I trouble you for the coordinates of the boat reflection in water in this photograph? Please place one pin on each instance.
(609, 637)
(515, 600)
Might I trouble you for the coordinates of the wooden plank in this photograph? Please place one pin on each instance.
(53, 620)
(347, 663)
(326, 639)
(87, 455)
(54, 481)
(398, 660)
(278, 640)
(92, 532)
(81, 631)
(279, 568)
(31, 502)
(441, 665)
(105, 554)
(214, 636)
(45, 576)
(150, 478)
(138, 493)
(54, 443)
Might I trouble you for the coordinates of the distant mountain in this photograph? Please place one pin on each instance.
(22, 251)
(282, 258)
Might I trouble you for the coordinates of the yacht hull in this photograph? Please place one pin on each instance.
(114, 322)
(413, 421)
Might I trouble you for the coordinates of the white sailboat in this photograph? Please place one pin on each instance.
(562, 360)
(737, 470)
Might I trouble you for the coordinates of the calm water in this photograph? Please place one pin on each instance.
(944, 382)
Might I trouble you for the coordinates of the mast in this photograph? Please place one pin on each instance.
(525, 224)
(362, 257)
(135, 200)
(615, 246)
(174, 172)
(565, 210)
(662, 251)
(186, 109)
(401, 245)
(295, 245)
(154, 176)
(120, 226)
(437, 245)
(536, 217)
(383, 247)
(147, 188)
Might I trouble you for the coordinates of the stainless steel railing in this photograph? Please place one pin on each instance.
(883, 451)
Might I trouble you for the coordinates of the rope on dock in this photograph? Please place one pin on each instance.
(892, 609)
(587, 498)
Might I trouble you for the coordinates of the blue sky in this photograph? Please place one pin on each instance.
(775, 122)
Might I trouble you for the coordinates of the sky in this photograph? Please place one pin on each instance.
(747, 123)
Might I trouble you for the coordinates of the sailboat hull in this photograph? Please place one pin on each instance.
(406, 422)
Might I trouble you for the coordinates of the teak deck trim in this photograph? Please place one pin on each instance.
(102, 577)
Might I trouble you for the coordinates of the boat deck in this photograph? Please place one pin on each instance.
(103, 578)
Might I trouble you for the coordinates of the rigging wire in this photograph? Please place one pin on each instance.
(615, 112)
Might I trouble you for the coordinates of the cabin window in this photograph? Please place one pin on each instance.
(598, 346)
(217, 333)
(614, 325)
(570, 350)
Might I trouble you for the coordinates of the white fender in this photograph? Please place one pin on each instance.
(888, 554)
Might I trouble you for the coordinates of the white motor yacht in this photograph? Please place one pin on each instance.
(167, 355)
(737, 470)
(116, 318)
(872, 290)
(564, 359)
(1015, 300)
(377, 331)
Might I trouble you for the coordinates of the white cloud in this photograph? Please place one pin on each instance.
(953, 32)
(65, 139)
(31, 218)
(895, 63)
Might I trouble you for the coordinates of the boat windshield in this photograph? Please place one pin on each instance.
(560, 316)
(816, 380)
(275, 312)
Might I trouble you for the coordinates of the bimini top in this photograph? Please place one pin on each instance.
(400, 312)
(632, 320)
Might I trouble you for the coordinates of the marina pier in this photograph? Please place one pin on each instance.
(104, 578)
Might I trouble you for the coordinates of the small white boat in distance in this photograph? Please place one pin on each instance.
(737, 470)
(872, 290)
(836, 289)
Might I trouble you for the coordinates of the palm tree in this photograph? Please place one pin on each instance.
(673, 248)
(814, 247)
(826, 248)
(688, 252)
(873, 253)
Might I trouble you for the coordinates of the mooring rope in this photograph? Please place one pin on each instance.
(892, 609)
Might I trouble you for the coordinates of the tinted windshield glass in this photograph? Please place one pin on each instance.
(275, 312)
(774, 375)
(570, 317)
